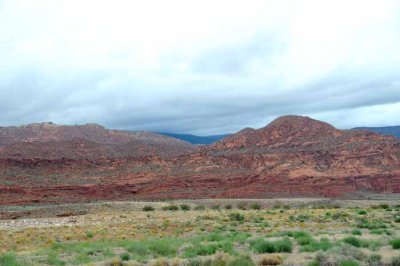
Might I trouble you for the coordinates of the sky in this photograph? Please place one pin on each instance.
(201, 67)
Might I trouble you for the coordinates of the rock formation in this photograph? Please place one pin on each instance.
(292, 156)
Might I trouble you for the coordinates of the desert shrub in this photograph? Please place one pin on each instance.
(380, 231)
(164, 247)
(395, 243)
(320, 259)
(362, 212)
(349, 251)
(323, 244)
(243, 260)
(9, 259)
(349, 263)
(270, 260)
(125, 256)
(89, 234)
(170, 207)
(397, 219)
(215, 207)
(194, 262)
(255, 206)
(395, 261)
(228, 206)
(260, 245)
(355, 242)
(148, 208)
(277, 205)
(302, 238)
(356, 232)
(53, 259)
(235, 216)
(384, 206)
(199, 208)
(138, 248)
(185, 207)
(374, 260)
(220, 259)
(242, 205)
(303, 217)
(200, 250)
(376, 224)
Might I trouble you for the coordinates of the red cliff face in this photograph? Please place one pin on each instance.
(292, 156)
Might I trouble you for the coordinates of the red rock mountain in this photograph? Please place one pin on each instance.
(90, 141)
(292, 156)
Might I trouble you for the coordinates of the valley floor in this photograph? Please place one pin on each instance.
(204, 232)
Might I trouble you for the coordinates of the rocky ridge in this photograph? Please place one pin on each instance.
(292, 156)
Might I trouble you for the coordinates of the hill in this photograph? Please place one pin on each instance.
(293, 156)
(90, 141)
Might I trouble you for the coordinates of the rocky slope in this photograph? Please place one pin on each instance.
(51, 141)
(292, 156)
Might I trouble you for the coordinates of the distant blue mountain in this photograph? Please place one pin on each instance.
(197, 139)
(393, 130)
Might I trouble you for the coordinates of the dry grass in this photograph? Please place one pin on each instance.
(110, 230)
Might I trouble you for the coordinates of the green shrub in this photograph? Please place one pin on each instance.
(384, 206)
(395, 243)
(323, 244)
(260, 245)
(53, 258)
(362, 212)
(164, 247)
(9, 259)
(200, 250)
(302, 238)
(397, 219)
(355, 242)
(185, 207)
(349, 263)
(228, 206)
(89, 234)
(255, 206)
(215, 207)
(242, 205)
(199, 208)
(171, 207)
(125, 256)
(148, 208)
(138, 248)
(356, 232)
(380, 231)
(235, 216)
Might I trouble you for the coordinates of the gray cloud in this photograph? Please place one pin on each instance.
(200, 78)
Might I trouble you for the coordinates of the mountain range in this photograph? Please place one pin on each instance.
(293, 156)
(391, 130)
(197, 139)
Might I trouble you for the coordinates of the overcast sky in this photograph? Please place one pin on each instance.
(202, 67)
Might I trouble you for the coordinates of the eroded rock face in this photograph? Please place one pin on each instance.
(90, 141)
(292, 156)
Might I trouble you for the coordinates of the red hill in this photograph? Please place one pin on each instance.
(292, 156)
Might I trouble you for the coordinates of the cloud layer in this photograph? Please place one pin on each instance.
(200, 67)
